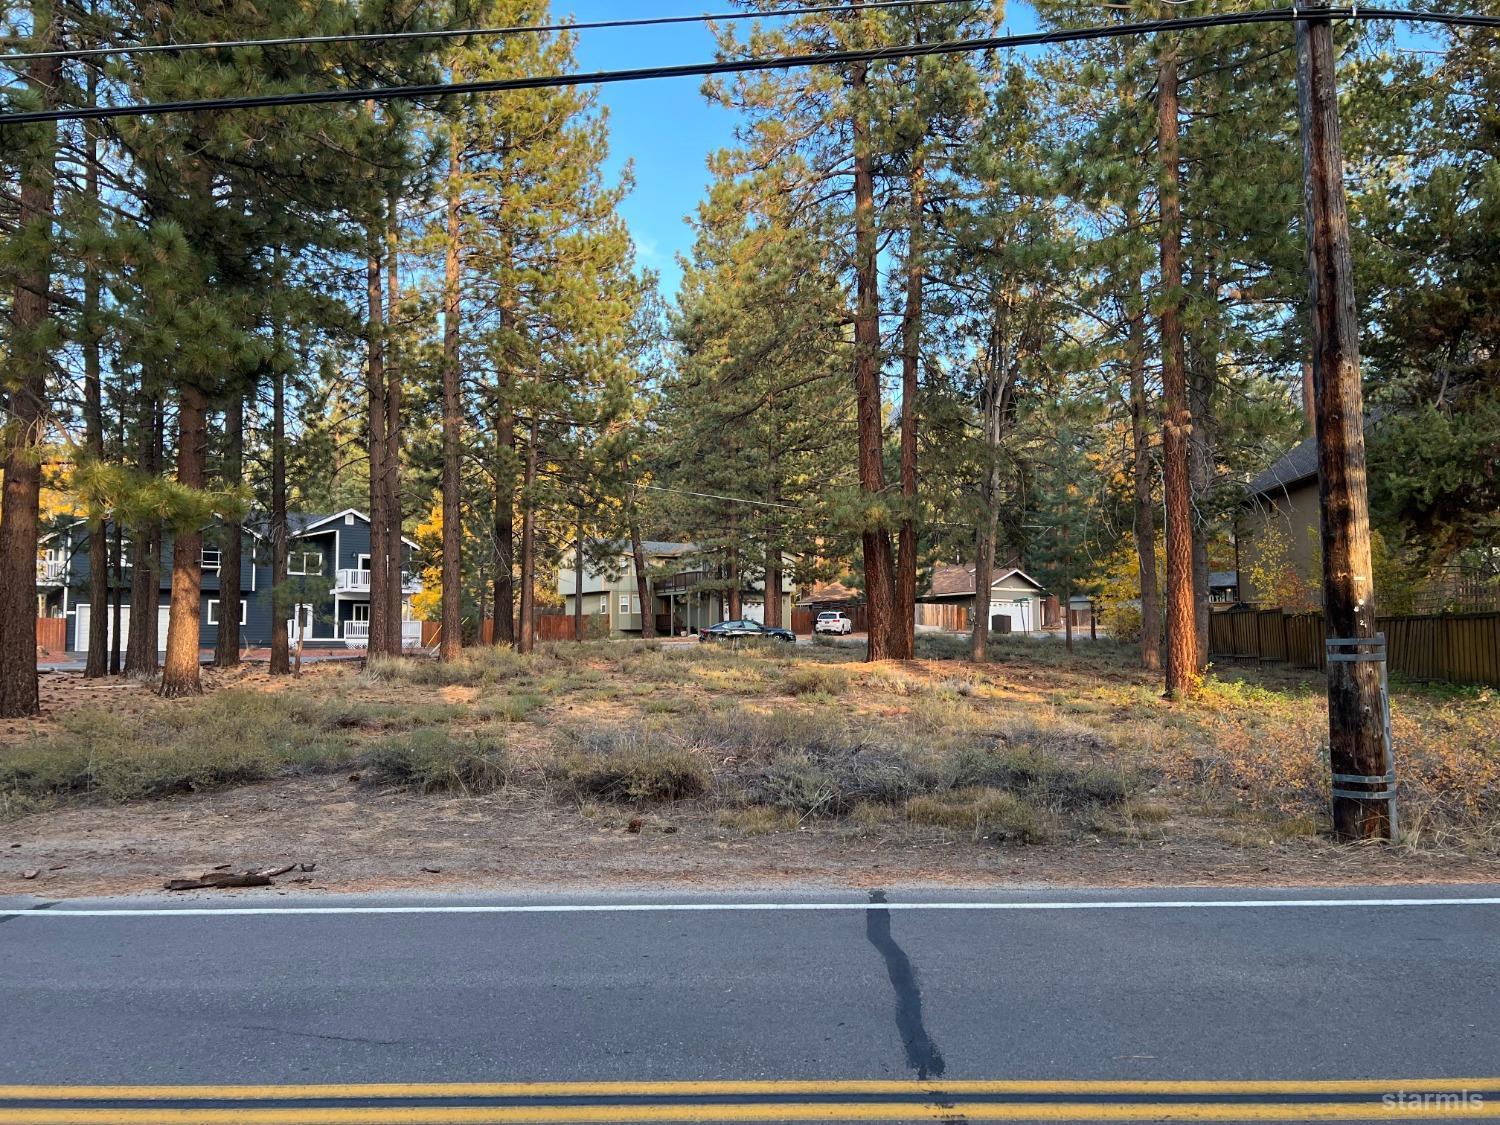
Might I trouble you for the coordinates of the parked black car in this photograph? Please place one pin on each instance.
(736, 630)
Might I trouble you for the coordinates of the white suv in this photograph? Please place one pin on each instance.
(833, 622)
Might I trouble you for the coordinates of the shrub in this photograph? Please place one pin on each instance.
(228, 738)
(1122, 621)
(509, 708)
(816, 678)
(431, 761)
(628, 765)
(991, 813)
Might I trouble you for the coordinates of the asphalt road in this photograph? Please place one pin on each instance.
(827, 1006)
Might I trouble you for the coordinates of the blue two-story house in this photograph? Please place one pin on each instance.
(328, 564)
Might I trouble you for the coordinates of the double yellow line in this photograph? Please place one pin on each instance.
(473, 1103)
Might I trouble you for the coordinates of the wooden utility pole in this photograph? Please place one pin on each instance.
(1356, 704)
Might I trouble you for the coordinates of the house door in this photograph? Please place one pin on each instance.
(358, 625)
(302, 617)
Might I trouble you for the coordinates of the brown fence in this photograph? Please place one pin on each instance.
(52, 634)
(1460, 648)
(804, 616)
(549, 627)
(944, 615)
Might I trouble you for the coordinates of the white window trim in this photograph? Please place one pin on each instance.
(604, 605)
(302, 557)
(354, 609)
(218, 556)
(213, 611)
(625, 604)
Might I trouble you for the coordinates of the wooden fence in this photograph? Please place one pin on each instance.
(52, 634)
(944, 615)
(1460, 648)
(804, 616)
(549, 627)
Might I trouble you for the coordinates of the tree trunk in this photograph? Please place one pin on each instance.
(1145, 508)
(1177, 421)
(1068, 606)
(1203, 374)
(393, 547)
(579, 562)
(904, 624)
(984, 578)
(99, 658)
(154, 640)
(227, 644)
(875, 540)
(504, 531)
(117, 599)
(451, 643)
(378, 641)
(994, 407)
(732, 567)
(281, 657)
(140, 648)
(20, 515)
(526, 640)
(180, 676)
(642, 579)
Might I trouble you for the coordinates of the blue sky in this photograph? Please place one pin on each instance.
(665, 127)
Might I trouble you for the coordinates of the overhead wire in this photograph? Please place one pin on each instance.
(440, 33)
(746, 65)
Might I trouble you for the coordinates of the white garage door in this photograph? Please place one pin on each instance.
(81, 634)
(1018, 612)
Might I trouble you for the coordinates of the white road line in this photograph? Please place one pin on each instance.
(751, 907)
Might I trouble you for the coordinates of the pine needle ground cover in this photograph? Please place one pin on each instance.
(603, 759)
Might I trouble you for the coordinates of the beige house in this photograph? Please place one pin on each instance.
(1277, 531)
(685, 597)
(1014, 594)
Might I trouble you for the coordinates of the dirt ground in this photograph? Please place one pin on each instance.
(361, 836)
(364, 841)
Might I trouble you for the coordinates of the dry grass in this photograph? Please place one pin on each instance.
(1033, 747)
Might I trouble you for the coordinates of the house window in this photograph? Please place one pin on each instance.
(604, 605)
(213, 611)
(304, 562)
(210, 559)
(349, 519)
(625, 603)
(360, 611)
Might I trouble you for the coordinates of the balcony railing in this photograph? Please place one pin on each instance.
(357, 634)
(358, 582)
(50, 572)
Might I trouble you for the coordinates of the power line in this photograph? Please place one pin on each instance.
(731, 499)
(460, 32)
(741, 66)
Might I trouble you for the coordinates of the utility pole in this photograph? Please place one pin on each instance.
(1363, 773)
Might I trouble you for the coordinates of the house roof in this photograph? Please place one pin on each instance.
(958, 581)
(831, 592)
(304, 523)
(1223, 578)
(1300, 463)
(1296, 465)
